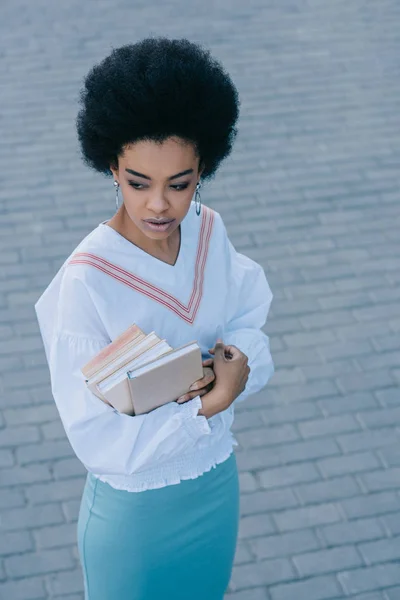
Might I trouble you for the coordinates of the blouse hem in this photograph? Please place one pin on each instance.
(173, 474)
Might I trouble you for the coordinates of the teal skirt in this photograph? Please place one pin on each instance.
(177, 542)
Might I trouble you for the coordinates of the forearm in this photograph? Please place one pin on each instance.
(214, 402)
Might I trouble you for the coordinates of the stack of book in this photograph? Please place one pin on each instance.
(137, 373)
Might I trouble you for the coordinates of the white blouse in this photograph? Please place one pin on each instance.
(108, 283)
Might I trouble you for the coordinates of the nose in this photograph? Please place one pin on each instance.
(156, 201)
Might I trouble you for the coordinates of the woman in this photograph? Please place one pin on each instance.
(160, 508)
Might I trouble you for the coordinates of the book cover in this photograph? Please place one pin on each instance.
(166, 382)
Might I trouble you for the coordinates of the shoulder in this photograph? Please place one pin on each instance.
(212, 220)
(99, 252)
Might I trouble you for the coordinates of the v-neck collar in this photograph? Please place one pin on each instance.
(186, 310)
(182, 243)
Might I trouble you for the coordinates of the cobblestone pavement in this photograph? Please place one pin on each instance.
(311, 192)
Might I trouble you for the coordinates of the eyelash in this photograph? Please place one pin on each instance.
(181, 186)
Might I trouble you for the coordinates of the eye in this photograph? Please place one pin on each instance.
(136, 186)
(180, 187)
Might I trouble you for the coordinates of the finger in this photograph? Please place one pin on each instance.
(218, 341)
(219, 350)
(208, 362)
(191, 395)
(206, 380)
(235, 353)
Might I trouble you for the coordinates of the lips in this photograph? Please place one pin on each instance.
(159, 226)
(155, 222)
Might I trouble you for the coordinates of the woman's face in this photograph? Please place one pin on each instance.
(157, 182)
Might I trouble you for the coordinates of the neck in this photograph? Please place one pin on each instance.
(165, 249)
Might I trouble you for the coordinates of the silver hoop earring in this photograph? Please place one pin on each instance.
(116, 184)
(198, 199)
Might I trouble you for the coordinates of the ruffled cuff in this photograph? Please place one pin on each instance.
(196, 425)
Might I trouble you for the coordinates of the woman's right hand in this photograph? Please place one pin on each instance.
(231, 374)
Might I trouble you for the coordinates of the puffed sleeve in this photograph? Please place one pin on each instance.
(104, 440)
(248, 303)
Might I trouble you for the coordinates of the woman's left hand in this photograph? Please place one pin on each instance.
(202, 386)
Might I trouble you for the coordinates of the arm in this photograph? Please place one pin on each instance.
(249, 300)
(104, 440)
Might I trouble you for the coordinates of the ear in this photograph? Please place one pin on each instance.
(201, 169)
(114, 171)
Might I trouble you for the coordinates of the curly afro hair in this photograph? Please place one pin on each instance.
(152, 90)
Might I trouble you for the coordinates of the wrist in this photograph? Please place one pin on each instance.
(213, 403)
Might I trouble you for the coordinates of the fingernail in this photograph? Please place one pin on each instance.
(181, 399)
(193, 387)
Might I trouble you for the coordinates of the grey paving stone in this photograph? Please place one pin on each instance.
(329, 370)
(370, 380)
(248, 483)
(386, 342)
(65, 582)
(30, 416)
(328, 560)
(29, 517)
(305, 517)
(350, 349)
(381, 480)
(328, 426)
(243, 554)
(55, 491)
(261, 573)
(248, 420)
(289, 414)
(373, 596)
(6, 458)
(381, 550)
(376, 504)
(390, 456)
(305, 339)
(288, 475)
(11, 499)
(353, 463)
(392, 593)
(22, 475)
(352, 532)
(255, 525)
(32, 588)
(39, 562)
(18, 436)
(368, 440)
(15, 542)
(323, 491)
(71, 509)
(67, 468)
(392, 523)
(265, 501)
(370, 578)
(380, 418)
(268, 436)
(316, 588)
(43, 451)
(284, 544)
(350, 403)
(250, 594)
(389, 397)
(56, 536)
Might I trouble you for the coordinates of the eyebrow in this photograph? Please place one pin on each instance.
(187, 172)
